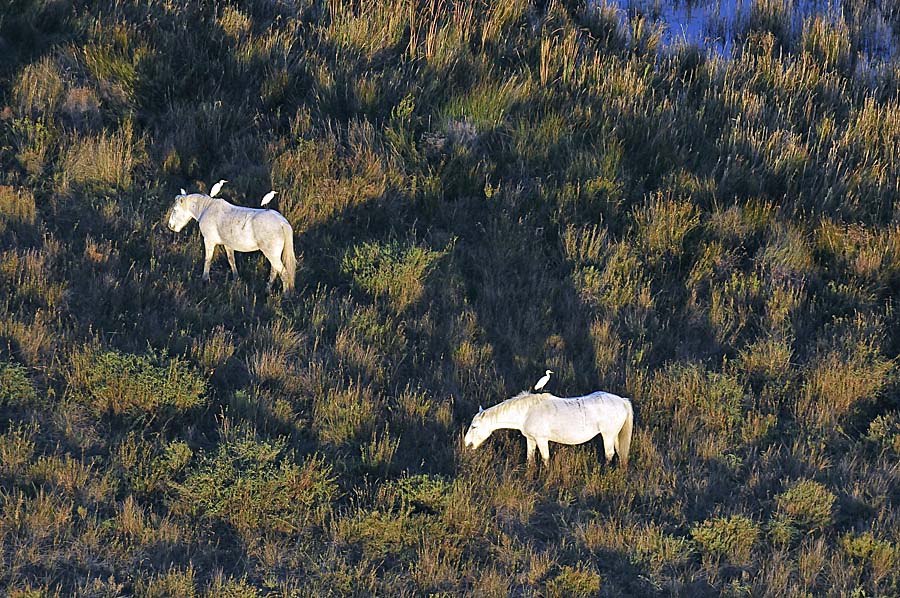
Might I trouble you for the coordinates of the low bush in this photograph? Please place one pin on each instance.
(138, 389)
(731, 538)
(807, 505)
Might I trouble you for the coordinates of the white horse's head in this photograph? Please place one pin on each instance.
(179, 215)
(476, 434)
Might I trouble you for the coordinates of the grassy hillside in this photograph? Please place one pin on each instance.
(479, 191)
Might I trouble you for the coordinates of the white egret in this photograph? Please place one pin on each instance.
(268, 197)
(543, 381)
(216, 188)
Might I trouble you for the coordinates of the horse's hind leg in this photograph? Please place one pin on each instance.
(210, 251)
(277, 267)
(230, 253)
(609, 447)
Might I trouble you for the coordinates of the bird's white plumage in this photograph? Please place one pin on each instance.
(216, 188)
(543, 381)
(268, 197)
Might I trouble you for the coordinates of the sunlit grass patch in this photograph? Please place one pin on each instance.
(734, 307)
(703, 410)
(106, 161)
(828, 42)
(848, 369)
(664, 224)
(39, 89)
(113, 60)
(488, 105)
(31, 277)
(381, 27)
(768, 358)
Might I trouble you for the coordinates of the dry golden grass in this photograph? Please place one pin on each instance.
(479, 191)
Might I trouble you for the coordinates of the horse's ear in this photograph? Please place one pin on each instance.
(480, 409)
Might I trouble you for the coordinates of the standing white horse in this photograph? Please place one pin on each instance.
(543, 417)
(238, 229)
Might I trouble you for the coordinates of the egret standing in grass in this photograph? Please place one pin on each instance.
(543, 381)
(216, 188)
(268, 197)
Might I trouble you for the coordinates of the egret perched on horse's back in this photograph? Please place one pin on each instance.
(543, 381)
(543, 417)
(268, 197)
(216, 188)
(239, 229)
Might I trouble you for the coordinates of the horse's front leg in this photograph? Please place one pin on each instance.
(529, 451)
(230, 253)
(210, 251)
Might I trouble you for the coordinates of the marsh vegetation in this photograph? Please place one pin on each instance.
(479, 192)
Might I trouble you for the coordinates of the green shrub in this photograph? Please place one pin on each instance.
(152, 470)
(731, 538)
(422, 491)
(391, 269)
(807, 505)
(138, 388)
(16, 389)
(884, 431)
(258, 487)
(581, 580)
(33, 141)
(881, 557)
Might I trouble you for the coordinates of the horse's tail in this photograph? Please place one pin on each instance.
(288, 258)
(623, 440)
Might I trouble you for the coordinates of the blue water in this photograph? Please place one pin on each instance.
(721, 25)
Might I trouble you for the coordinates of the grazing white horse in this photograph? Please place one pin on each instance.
(238, 229)
(543, 417)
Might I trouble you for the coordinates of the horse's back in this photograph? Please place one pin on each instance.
(604, 410)
(245, 229)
